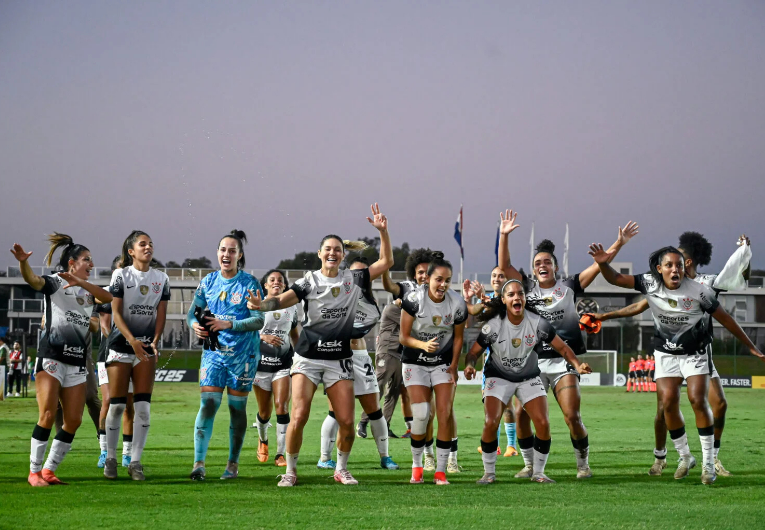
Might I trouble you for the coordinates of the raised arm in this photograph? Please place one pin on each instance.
(34, 281)
(602, 260)
(391, 286)
(625, 312)
(385, 262)
(625, 234)
(506, 227)
(101, 295)
(722, 316)
(469, 290)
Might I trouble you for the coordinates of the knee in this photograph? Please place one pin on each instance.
(420, 416)
(299, 415)
(344, 419)
(543, 425)
(280, 407)
(698, 401)
(573, 418)
(72, 424)
(490, 422)
(47, 418)
(720, 408)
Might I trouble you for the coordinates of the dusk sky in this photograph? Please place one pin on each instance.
(287, 119)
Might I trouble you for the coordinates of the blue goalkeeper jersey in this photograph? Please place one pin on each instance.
(226, 299)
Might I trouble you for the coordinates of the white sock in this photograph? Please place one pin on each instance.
(660, 454)
(141, 424)
(262, 429)
(540, 461)
(453, 454)
(292, 459)
(102, 441)
(281, 437)
(708, 449)
(113, 423)
(342, 459)
(528, 456)
(442, 456)
(417, 456)
(582, 457)
(58, 451)
(380, 433)
(489, 462)
(37, 454)
(717, 452)
(328, 435)
(127, 448)
(681, 444)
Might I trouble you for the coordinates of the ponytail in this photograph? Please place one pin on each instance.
(241, 239)
(548, 247)
(126, 259)
(438, 261)
(71, 250)
(348, 245)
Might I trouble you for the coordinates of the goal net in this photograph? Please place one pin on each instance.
(602, 362)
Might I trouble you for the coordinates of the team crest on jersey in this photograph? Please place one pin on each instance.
(335, 291)
(156, 287)
(202, 373)
(448, 320)
(486, 329)
(277, 316)
(412, 297)
(548, 300)
(51, 367)
(222, 296)
(80, 300)
(516, 342)
(236, 298)
(529, 340)
(90, 299)
(347, 286)
(672, 303)
(436, 320)
(687, 303)
(491, 384)
(458, 314)
(144, 289)
(408, 374)
(558, 293)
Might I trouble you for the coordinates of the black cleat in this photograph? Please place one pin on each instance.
(361, 430)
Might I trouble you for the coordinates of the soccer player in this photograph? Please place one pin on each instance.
(640, 373)
(651, 364)
(60, 369)
(697, 252)
(365, 386)
(139, 309)
(323, 353)
(515, 338)
(231, 349)
(632, 375)
(555, 300)
(432, 325)
(681, 343)
(272, 379)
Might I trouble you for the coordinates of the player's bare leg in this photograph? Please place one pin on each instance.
(567, 394)
(371, 405)
(525, 441)
(719, 406)
(537, 411)
(303, 390)
(698, 389)
(281, 392)
(660, 438)
(343, 402)
(264, 399)
(493, 409)
(669, 390)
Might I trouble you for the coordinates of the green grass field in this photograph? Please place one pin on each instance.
(620, 495)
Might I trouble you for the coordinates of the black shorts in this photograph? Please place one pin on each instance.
(632, 375)
(651, 373)
(641, 373)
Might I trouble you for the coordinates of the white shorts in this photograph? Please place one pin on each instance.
(103, 377)
(117, 357)
(364, 378)
(553, 370)
(684, 366)
(323, 371)
(715, 375)
(503, 390)
(429, 376)
(264, 380)
(66, 374)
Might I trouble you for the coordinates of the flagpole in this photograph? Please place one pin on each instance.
(565, 253)
(531, 244)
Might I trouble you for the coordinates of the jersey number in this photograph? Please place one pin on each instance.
(368, 368)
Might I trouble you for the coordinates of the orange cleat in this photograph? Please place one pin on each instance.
(511, 451)
(36, 480)
(262, 452)
(52, 479)
(416, 476)
(280, 461)
(440, 479)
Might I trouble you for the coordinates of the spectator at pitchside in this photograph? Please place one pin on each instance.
(15, 365)
(4, 351)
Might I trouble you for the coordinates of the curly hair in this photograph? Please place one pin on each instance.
(417, 256)
(547, 246)
(696, 247)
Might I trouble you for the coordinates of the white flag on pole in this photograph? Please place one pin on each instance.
(565, 253)
(531, 244)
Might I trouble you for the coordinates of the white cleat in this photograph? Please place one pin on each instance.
(708, 475)
(684, 467)
(287, 480)
(542, 478)
(486, 479)
(720, 470)
(344, 476)
(583, 472)
(526, 472)
(658, 466)
(430, 463)
(453, 467)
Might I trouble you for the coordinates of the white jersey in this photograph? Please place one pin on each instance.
(66, 321)
(433, 320)
(141, 293)
(557, 305)
(278, 323)
(680, 324)
(330, 312)
(367, 315)
(514, 349)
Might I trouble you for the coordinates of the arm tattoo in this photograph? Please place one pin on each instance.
(272, 304)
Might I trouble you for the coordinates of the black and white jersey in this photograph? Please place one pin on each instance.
(103, 349)
(405, 287)
(514, 350)
(679, 316)
(278, 323)
(557, 305)
(141, 293)
(433, 320)
(66, 322)
(367, 315)
(330, 306)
